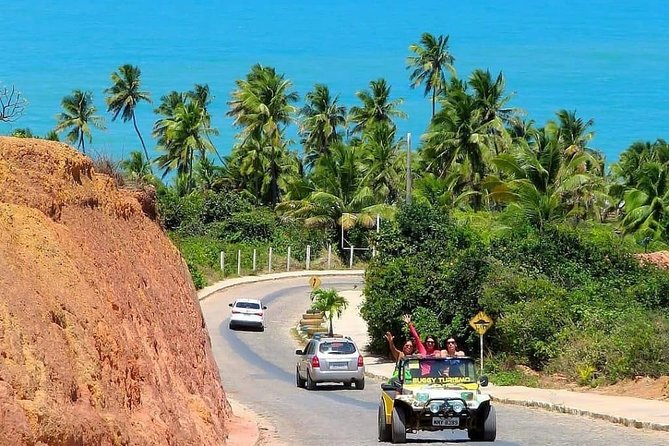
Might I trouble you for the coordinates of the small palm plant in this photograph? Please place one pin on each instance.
(330, 302)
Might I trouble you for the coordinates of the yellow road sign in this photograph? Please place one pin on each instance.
(481, 322)
(315, 282)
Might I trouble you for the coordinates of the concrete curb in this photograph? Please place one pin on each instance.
(236, 281)
(629, 422)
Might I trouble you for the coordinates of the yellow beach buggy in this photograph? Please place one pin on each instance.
(434, 394)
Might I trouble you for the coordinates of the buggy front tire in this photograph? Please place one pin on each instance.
(398, 426)
(384, 429)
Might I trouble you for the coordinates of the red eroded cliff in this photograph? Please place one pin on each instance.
(101, 337)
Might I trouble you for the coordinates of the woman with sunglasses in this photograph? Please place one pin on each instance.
(407, 348)
(451, 349)
(430, 348)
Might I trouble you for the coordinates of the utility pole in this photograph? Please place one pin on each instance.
(408, 196)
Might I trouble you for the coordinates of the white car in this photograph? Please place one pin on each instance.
(248, 313)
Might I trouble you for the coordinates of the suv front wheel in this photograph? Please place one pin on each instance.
(298, 379)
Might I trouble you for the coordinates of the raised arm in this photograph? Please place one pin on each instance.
(419, 344)
(391, 345)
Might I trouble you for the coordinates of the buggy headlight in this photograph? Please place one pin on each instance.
(435, 406)
(422, 397)
(457, 406)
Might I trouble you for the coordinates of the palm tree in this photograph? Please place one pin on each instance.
(647, 204)
(136, 167)
(574, 133)
(184, 135)
(543, 183)
(330, 302)
(459, 139)
(124, 95)
(262, 106)
(429, 64)
(78, 113)
(322, 117)
(339, 199)
(489, 95)
(382, 162)
(376, 107)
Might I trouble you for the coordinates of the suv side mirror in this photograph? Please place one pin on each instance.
(229, 305)
(483, 380)
(298, 352)
(264, 308)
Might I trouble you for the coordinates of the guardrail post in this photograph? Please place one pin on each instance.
(350, 262)
(223, 263)
(254, 259)
(329, 254)
(239, 262)
(269, 262)
(288, 260)
(308, 256)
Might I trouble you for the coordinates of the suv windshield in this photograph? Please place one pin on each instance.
(337, 347)
(440, 370)
(250, 305)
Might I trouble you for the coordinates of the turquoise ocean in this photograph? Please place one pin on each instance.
(607, 60)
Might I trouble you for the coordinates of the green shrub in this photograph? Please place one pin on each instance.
(195, 273)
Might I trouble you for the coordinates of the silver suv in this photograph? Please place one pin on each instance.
(328, 359)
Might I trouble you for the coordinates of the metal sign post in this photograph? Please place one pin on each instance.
(481, 323)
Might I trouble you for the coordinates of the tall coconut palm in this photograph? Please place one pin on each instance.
(262, 106)
(185, 135)
(573, 132)
(489, 95)
(77, 116)
(376, 107)
(124, 96)
(322, 116)
(382, 162)
(458, 138)
(330, 302)
(431, 61)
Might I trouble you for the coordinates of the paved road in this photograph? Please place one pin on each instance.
(258, 370)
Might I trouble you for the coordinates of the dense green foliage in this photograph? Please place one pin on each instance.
(205, 223)
(513, 217)
(573, 300)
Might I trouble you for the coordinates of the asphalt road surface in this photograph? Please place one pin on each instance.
(258, 370)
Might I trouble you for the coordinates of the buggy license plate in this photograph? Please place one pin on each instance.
(446, 422)
(339, 365)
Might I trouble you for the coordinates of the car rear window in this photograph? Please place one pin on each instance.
(340, 348)
(250, 305)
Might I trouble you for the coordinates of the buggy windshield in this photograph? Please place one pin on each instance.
(439, 370)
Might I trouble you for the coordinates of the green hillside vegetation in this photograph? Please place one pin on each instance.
(565, 299)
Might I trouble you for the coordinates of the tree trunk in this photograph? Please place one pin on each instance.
(148, 160)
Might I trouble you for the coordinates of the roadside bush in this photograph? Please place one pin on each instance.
(257, 225)
(427, 266)
(197, 276)
(530, 329)
(636, 342)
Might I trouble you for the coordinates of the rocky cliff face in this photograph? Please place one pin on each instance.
(101, 337)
